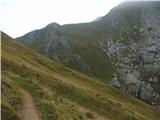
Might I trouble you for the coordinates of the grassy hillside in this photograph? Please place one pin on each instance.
(85, 39)
(61, 93)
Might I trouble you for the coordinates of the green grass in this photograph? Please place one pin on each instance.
(84, 39)
(61, 93)
(11, 99)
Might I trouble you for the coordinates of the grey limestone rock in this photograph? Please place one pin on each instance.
(137, 60)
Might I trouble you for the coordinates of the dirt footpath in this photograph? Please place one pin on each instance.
(29, 110)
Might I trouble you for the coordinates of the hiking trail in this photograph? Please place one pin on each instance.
(29, 110)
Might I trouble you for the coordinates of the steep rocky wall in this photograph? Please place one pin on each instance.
(135, 51)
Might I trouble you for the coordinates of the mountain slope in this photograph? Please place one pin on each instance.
(121, 48)
(65, 46)
(59, 92)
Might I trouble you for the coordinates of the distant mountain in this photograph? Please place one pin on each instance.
(122, 48)
(66, 45)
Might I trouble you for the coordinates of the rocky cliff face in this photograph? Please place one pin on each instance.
(135, 51)
(122, 48)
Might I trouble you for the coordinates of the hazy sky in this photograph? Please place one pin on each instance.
(18, 17)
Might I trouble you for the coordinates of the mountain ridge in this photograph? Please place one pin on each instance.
(122, 48)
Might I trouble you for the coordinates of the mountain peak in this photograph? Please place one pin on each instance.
(53, 25)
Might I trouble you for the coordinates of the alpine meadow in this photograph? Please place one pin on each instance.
(107, 69)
